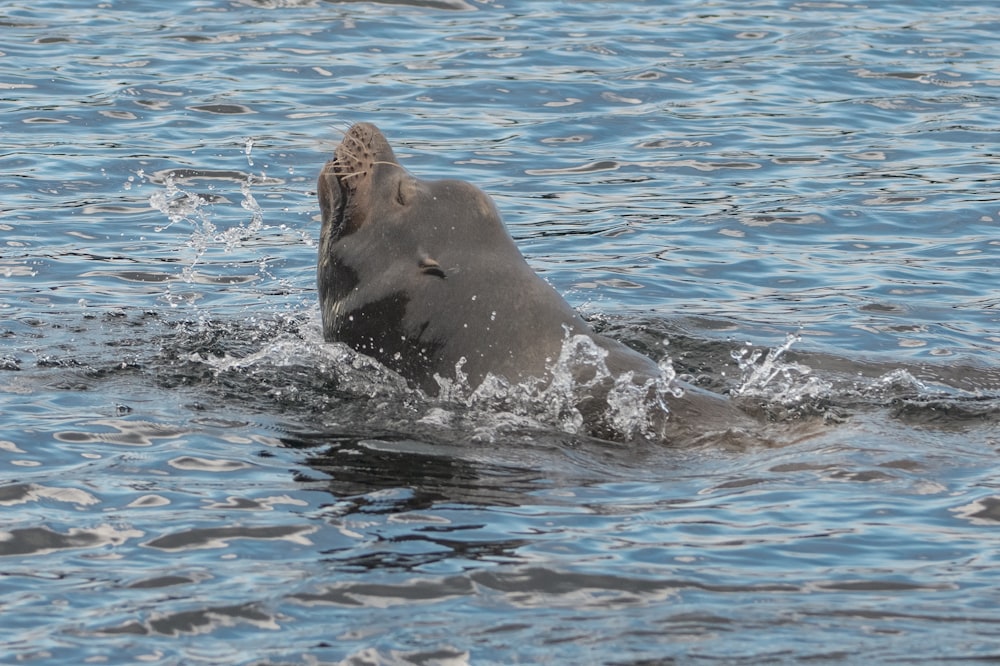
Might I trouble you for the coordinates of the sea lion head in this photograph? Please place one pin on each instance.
(364, 185)
(401, 259)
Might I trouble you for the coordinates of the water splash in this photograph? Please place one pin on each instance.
(247, 148)
(180, 205)
(898, 380)
(630, 408)
(269, 352)
(775, 378)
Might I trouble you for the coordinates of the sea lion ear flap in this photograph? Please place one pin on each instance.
(429, 266)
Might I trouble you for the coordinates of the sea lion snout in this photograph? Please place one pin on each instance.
(362, 169)
(363, 148)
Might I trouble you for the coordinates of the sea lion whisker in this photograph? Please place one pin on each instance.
(341, 126)
(355, 141)
(347, 152)
(345, 156)
(352, 174)
(342, 131)
(341, 169)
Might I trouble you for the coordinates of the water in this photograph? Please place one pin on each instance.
(801, 199)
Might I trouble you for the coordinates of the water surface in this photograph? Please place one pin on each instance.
(189, 475)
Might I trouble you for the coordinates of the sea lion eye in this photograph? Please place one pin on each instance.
(430, 267)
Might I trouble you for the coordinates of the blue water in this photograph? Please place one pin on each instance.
(189, 475)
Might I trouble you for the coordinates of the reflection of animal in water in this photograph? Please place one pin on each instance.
(422, 275)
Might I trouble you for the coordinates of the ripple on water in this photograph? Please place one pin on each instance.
(190, 474)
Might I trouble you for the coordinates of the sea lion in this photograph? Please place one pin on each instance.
(423, 276)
